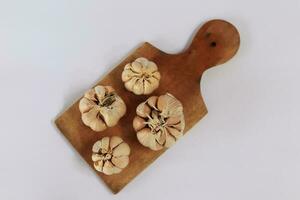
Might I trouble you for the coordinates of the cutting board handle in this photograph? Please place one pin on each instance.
(215, 43)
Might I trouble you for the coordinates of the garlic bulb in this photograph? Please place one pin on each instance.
(159, 121)
(110, 155)
(101, 107)
(141, 76)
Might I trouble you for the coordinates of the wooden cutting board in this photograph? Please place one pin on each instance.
(215, 43)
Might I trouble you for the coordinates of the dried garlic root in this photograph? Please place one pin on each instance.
(141, 76)
(101, 107)
(159, 121)
(110, 155)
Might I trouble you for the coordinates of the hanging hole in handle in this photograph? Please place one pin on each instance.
(213, 44)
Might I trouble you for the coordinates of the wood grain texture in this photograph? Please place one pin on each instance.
(215, 43)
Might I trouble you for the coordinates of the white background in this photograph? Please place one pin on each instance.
(246, 148)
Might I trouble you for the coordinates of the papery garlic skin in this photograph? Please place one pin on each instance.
(110, 155)
(159, 122)
(141, 76)
(101, 107)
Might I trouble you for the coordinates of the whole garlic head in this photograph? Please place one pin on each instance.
(101, 107)
(141, 76)
(159, 121)
(110, 155)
